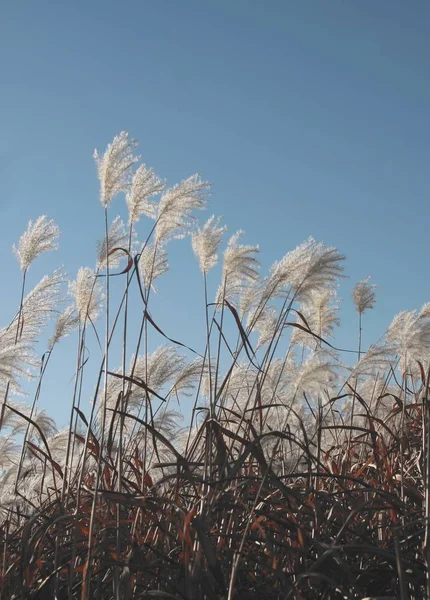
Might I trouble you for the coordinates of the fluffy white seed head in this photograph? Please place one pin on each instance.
(40, 236)
(118, 237)
(240, 267)
(378, 358)
(159, 367)
(153, 263)
(144, 185)
(16, 361)
(364, 295)
(174, 217)
(311, 266)
(88, 294)
(206, 242)
(317, 374)
(410, 334)
(64, 325)
(265, 322)
(114, 167)
(320, 310)
(39, 306)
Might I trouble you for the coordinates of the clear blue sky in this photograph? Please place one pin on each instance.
(310, 118)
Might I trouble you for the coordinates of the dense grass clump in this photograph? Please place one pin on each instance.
(297, 475)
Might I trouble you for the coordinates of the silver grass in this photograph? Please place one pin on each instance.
(109, 400)
(58, 444)
(40, 305)
(39, 237)
(118, 237)
(16, 361)
(160, 367)
(174, 214)
(187, 379)
(240, 387)
(153, 263)
(45, 423)
(410, 333)
(16, 348)
(205, 243)
(207, 379)
(88, 294)
(281, 375)
(114, 167)
(264, 322)
(425, 311)
(320, 312)
(317, 374)
(311, 266)
(8, 452)
(13, 422)
(66, 322)
(379, 357)
(167, 423)
(240, 267)
(144, 185)
(364, 295)
(376, 394)
(250, 297)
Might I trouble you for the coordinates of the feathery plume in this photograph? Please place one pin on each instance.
(187, 378)
(377, 358)
(37, 309)
(88, 294)
(16, 361)
(250, 298)
(46, 425)
(310, 266)
(206, 242)
(114, 167)
(321, 316)
(118, 237)
(265, 323)
(153, 263)
(159, 367)
(144, 185)
(64, 325)
(239, 267)
(410, 334)
(176, 205)
(39, 237)
(364, 295)
(317, 373)
(17, 358)
(8, 453)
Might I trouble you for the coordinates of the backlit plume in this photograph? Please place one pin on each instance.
(87, 291)
(114, 167)
(176, 205)
(311, 266)
(239, 267)
(152, 264)
(364, 295)
(320, 311)
(118, 237)
(64, 325)
(206, 242)
(144, 185)
(39, 237)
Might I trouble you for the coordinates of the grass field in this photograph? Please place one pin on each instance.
(298, 476)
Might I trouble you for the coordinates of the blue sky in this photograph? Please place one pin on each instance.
(310, 118)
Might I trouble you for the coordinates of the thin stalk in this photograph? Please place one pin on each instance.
(99, 461)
